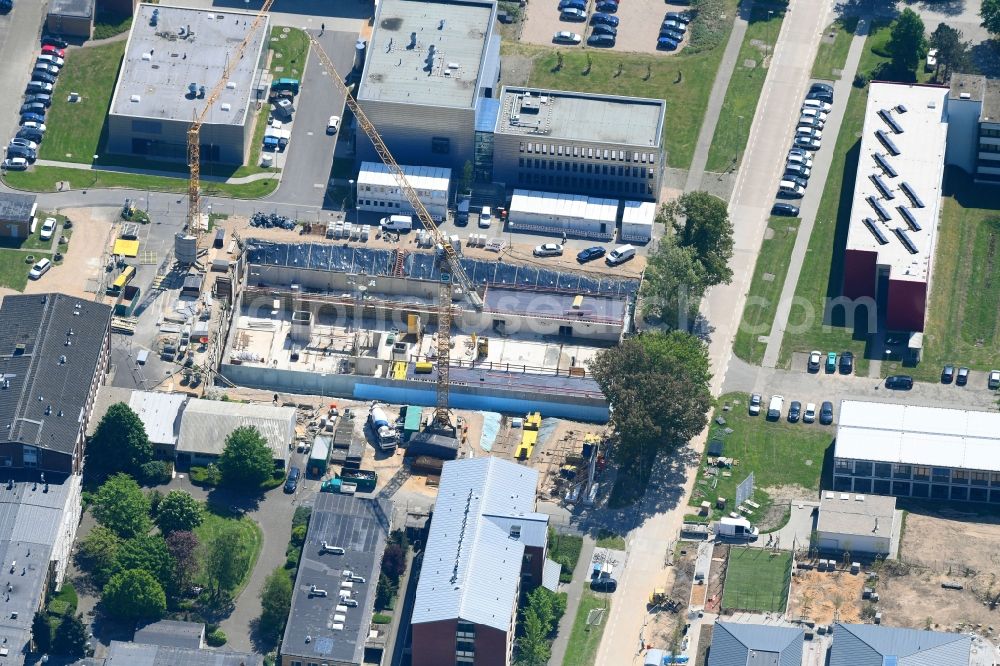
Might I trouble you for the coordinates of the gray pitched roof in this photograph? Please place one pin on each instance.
(741, 644)
(135, 654)
(205, 424)
(869, 644)
(171, 633)
(359, 526)
(49, 380)
(472, 564)
(16, 207)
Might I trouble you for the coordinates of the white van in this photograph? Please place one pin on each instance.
(774, 407)
(485, 218)
(620, 255)
(396, 223)
(39, 269)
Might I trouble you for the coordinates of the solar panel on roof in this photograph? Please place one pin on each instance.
(872, 227)
(908, 216)
(911, 194)
(884, 164)
(890, 121)
(882, 212)
(887, 142)
(882, 187)
(905, 239)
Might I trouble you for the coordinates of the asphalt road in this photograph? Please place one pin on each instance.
(19, 44)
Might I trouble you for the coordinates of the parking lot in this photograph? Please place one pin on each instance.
(638, 29)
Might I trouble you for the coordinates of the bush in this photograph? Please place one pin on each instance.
(860, 80)
(709, 28)
(216, 638)
(379, 618)
(205, 476)
(301, 516)
(292, 559)
(299, 535)
(156, 472)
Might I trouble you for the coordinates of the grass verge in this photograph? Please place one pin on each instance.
(585, 638)
(832, 53)
(251, 539)
(822, 273)
(757, 579)
(565, 549)
(740, 104)
(778, 453)
(45, 178)
(291, 49)
(606, 539)
(765, 289)
(107, 23)
(14, 269)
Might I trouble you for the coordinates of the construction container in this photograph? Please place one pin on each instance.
(364, 479)
(423, 367)
(637, 221)
(574, 215)
(319, 457)
(125, 307)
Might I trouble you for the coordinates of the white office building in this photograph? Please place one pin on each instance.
(575, 215)
(379, 192)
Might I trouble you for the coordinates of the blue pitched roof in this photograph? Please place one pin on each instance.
(874, 645)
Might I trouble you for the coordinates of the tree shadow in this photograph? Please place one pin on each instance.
(985, 57)
(946, 7)
(879, 8)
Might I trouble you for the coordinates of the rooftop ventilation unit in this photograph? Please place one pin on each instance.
(911, 221)
(876, 232)
(879, 210)
(887, 142)
(882, 187)
(154, 18)
(885, 166)
(885, 115)
(413, 41)
(911, 194)
(900, 108)
(226, 106)
(905, 240)
(135, 98)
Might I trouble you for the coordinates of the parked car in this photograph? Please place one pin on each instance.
(807, 142)
(15, 164)
(672, 33)
(821, 95)
(794, 411)
(26, 143)
(548, 250)
(606, 19)
(589, 254)
(789, 190)
(38, 98)
(606, 7)
(50, 59)
(798, 180)
(292, 482)
(573, 14)
(604, 585)
(774, 407)
(809, 415)
(39, 87)
(32, 118)
(930, 64)
(831, 362)
(826, 87)
(604, 30)
(826, 413)
(33, 107)
(993, 380)
(899, 382)
(667, 44)
(46, 68)
(49, 49)
(785, 210)
(802, 157)
(58, 42)
(40, 268)
(22, 152)
(814, 113)
(31, 125)
(37, 75)
(811, 121)
(755, 401)
(48, 228)
(810, 132)
(566, 37)
(672, 23)
(962, 378)
(948, 374)
(572, 4)
(815, 360)
(797, 170)
(846, 362)
(817, 104)
(601, 39)
(678, 16)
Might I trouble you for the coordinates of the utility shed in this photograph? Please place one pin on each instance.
(637, 221)
(319, 456)
(856, 523)
(16, 213)
(574, 215)
(70, 17)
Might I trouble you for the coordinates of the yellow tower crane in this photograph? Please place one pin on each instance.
(456, 274)
(194, 132)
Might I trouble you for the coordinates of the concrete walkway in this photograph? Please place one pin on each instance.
(162, 174)
(715, 100)
(810, 203)
(574, 590)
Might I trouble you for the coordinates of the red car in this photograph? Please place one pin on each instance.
(48, 49)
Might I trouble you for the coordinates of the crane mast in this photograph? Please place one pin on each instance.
(456, 274)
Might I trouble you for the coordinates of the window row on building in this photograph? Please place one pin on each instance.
(587, 167)
(883, 470)
(604, 185)
(939, 491)
(611, 154)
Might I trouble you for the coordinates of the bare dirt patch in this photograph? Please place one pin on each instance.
(825, 597)
(665, 627)
(85, 257)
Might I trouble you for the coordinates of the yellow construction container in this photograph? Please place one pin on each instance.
(413, 324)
(423, 367)
(529, 436)
(399, 370)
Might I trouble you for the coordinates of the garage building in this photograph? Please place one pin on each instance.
(17, 211)
(858, 524)
(73, 18)
(378, 191)
(575, 215)
(170, 52)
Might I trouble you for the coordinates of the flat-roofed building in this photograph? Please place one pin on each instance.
(70, 17)
(579, 143)
(912, 451)
(429, 66)
(571, 214)
(17, 212)
(169, 50)
(378, 191)
(974, 126)
(638, 218)
(897, 197)
(858, 524)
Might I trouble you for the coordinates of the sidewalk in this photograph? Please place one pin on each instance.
(574, 590)
(162, 174)
(810, 204)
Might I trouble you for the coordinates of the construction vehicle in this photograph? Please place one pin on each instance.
(452, 278)
(529, 436)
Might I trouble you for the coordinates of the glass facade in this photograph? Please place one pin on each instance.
(902, 480)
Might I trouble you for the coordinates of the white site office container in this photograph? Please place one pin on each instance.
(378, 191)
(637, 221)
(574, 215)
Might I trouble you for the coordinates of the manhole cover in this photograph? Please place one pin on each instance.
(809, 463)
(768, 277)
(283, 35)
(749, 63)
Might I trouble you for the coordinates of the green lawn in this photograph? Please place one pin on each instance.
(44, 179)
(215, 520)
(565, 549)
(76, 130)
(757, 580)
(762, 300)
(606, 539)
(778, 453)
(34, 241)
(833, 54)
(744, 91)
(822, 272)
(13, 269)
(290, 52)
(108, 24)
(963, 324)
(684, 80)
(586, 639)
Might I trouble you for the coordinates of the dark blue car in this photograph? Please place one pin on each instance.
(590, 254)
(666, 44)
(32, 117)
(604, 30)
(606, 19)
(292, 482)
(607, 7)
(575, 4)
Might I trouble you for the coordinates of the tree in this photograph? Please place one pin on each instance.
(468, 174)
(98, 554)
(385, 592)
(538, 621)
(275, 602)
(41, 631)
(71, 637)
(989, 11)
(120, 443)
(953, 53)
(394, 561)
(178, 511)
(148, 552)
(701, 222)
(657, 384)
(122, 507)
(183, 548)
(226, 560)
(246, 460)
(673, 286)
(907, 45)
(134, 595)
